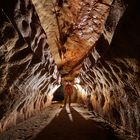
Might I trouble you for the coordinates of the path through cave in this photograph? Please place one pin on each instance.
(57, 123)
(70, 125)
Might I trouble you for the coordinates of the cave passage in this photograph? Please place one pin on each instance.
(57, 123)
(93, 45)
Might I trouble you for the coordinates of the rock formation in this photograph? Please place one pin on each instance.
(28, 74)
(110, 73)
(93, 43)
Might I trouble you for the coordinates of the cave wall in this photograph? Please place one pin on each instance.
(28, 74)
(112, 72)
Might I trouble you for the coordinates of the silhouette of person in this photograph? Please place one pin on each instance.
(68, 91)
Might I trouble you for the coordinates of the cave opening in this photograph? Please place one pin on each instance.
(58, 94)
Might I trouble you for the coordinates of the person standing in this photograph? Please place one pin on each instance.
(68, 91)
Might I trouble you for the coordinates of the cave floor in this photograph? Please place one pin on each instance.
(58, 123)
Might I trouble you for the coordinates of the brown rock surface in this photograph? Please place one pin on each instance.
(72, 27)
(113, 79)
(94, 42)
(27, 70)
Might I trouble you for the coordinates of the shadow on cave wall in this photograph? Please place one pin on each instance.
(126, 43)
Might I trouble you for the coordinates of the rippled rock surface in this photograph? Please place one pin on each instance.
(112, 71)
(28, 74)
(95, 44)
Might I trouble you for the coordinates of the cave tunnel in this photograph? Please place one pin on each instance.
(94, 45)
(58, 94)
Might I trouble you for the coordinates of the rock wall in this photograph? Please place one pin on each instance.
(112, 71)
(28, 74)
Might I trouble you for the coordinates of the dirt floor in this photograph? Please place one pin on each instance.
(58, 123)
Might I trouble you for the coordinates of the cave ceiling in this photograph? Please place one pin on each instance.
(72, 28)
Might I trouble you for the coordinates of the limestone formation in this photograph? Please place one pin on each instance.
(28, 74)
(112, 70)
(92, 43)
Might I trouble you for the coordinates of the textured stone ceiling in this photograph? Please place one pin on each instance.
(72, 28)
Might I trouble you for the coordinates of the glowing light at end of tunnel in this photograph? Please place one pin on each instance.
(77, 80)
